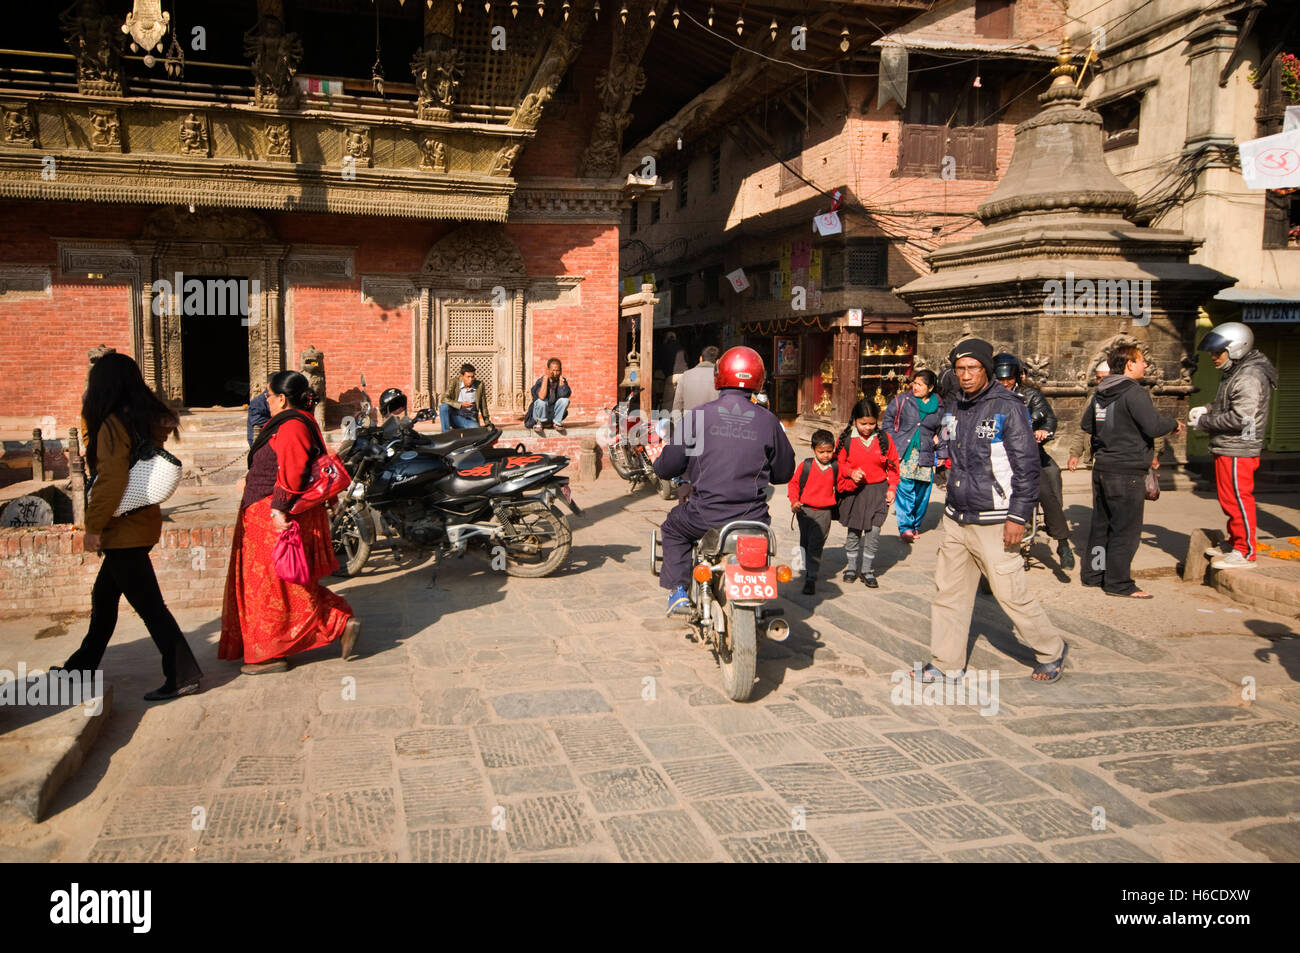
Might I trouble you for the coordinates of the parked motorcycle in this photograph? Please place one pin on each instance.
(633, 445)
(733, 584)
(443, 492)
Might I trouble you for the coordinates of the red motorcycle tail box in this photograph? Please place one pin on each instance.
(751, 552)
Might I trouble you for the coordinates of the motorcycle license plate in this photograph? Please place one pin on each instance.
(750, 583)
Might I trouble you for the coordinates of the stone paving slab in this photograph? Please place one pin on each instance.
(515, 720)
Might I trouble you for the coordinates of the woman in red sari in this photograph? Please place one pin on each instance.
(265, 619)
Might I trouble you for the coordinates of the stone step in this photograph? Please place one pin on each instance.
(42, 748)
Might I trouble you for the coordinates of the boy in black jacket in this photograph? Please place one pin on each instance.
(1124, 425)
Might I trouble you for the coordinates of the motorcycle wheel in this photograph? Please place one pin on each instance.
(667, 489)
(352, 533)
(551, 527)
(740, 659)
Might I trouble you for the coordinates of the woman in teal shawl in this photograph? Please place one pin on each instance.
(912, 420)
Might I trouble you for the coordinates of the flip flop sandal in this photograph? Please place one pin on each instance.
(1052, 669)
(930, 673)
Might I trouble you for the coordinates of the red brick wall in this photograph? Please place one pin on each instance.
(45, 571)
(356, 338)
(584, 336)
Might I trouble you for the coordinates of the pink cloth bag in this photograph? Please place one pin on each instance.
(290, 558)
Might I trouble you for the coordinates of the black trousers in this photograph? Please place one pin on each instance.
(1050, 496)
(1118, 500)
(128, 572)
(814, 527)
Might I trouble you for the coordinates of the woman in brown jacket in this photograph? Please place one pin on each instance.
(120, 413)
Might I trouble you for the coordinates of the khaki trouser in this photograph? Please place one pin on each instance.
(965, 551)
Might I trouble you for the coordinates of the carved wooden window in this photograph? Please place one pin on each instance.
(493, 77)
(634, 219)
(868, 264)
(994, 17)
(471, 339)
(654, 212)
(683, 183)
(715, 168)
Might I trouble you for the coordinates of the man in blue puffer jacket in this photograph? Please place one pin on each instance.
(991, 494)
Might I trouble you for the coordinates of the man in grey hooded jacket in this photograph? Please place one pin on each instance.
(1236, 422)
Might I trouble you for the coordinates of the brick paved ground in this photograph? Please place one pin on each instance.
(521, 704)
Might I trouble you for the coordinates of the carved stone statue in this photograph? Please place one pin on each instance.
(19, 129)
(278, 143)
(106, 132)
(312, 364)
(356, 143)
(505, 159)
(275, 55)
(435, 155)
(437, 69)
(95, 39)
(194, 136)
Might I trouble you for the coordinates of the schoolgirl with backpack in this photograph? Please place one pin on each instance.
(867, 461)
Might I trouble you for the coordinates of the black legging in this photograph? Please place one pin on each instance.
(128, 572)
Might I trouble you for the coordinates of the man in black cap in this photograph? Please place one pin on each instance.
(991, 494)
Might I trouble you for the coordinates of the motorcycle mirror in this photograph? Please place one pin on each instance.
(365, 406)
(363, 380)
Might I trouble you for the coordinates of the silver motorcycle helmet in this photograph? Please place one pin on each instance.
(1233, 337)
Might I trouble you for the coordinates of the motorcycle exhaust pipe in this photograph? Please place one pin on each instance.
(778, 630)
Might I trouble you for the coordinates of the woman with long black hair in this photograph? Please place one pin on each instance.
(120, 414)
(266, 619)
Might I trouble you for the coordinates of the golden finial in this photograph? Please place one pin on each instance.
(1064, 68)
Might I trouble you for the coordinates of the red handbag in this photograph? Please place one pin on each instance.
(327, 478)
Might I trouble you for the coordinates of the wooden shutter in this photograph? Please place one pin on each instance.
(922, 149)
(1284, 415)
(975, 148)
(993, 17)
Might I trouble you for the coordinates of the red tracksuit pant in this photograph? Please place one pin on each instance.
(1234, 477)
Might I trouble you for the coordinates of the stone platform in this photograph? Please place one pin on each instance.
(499, 719)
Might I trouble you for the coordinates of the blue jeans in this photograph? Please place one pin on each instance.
(540, 412)
(452, 419)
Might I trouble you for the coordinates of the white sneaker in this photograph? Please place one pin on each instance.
(1214, 551)
(1234, 560)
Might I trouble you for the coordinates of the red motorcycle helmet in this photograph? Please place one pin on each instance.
(740, 367)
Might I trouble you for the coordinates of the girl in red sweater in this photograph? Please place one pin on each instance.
(868, 469)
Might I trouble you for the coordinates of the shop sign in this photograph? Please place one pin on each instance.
(1271, 313)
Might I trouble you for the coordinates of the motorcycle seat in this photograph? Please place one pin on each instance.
(460, 485)
(708, 544)
(455, 439)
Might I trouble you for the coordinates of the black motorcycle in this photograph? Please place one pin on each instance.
(447, 491)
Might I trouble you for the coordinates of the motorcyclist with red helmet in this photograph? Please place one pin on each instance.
(733, 453)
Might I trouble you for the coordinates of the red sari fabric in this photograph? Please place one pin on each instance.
(263, 616)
